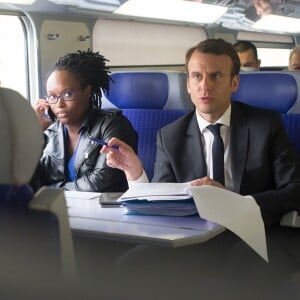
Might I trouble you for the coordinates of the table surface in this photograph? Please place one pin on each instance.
(87, 217)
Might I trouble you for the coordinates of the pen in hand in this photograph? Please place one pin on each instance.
(103, 143)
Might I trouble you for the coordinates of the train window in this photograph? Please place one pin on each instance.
(273, 57)
(273, 49)
(13, 62)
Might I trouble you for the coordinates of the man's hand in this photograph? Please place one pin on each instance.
(206, 181)
(123, 158)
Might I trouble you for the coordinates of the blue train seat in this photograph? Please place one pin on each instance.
(147, 90)
(36, 241)
(272, 90)
(277, 90)
(150, 100)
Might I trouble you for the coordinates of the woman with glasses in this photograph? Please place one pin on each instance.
(71, 117)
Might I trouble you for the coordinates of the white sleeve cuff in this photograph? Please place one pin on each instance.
(142, 179)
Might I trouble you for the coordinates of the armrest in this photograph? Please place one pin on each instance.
(53, 200)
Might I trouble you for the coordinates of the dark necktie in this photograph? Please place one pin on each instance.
(218, 153)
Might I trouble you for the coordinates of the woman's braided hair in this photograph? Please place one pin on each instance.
(90, 69)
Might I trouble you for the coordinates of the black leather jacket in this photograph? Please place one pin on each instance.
(92, 172)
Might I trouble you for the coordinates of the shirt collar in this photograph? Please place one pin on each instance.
(224, 119)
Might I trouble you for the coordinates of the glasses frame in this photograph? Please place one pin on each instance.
(61, 96)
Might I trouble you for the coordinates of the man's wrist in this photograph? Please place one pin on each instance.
(133, 177)
(142, 178)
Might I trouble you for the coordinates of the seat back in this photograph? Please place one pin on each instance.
(279, 91)
(150, 100)
(34, 229)
(275, 90)
(147, 90)
(147, 122)
(21, 136)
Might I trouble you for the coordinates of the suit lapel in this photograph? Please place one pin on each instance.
(194, 150)
(239, 138)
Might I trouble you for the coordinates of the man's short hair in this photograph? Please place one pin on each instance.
(216, 47)
(243, 46)
(295, 50)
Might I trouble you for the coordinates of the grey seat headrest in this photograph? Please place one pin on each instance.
(21, 138)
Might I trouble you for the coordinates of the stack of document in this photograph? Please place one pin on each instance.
(165, 199)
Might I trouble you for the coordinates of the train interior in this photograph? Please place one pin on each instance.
(146, 49)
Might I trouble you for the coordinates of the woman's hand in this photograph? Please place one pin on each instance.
(41, 107)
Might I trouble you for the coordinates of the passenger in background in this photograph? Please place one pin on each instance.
(247, 53)
(259, 159)
(69, 114)
(294, 59)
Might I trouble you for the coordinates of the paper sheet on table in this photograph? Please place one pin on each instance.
(238, 213)
(157, 191)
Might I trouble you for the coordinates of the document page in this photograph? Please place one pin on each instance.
(157, 191)
(240, 214)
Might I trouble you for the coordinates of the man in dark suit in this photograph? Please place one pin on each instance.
(259, 159)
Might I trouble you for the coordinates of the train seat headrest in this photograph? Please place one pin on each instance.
(147, 90)
(271, 90)
(138, 90)
(21, 138)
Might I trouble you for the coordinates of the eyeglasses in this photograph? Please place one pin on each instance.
(66, 96)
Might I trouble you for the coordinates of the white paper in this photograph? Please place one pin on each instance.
(240, 214)
(155, 190)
